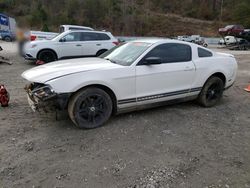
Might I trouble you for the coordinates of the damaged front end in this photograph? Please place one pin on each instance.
(43, 97)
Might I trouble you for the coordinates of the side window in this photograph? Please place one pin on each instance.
(72, 37)
(172, 53)
(204, 53)
(77, 28)
(86, 36)
(103, 36)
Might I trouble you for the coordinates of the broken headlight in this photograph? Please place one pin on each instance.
(41, 91)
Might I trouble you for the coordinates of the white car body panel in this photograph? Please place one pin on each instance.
(137, 85)
(164, 78)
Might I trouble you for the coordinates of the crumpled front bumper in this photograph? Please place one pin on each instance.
(46, 104)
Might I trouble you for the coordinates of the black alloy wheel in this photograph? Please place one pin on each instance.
(90, 108)
(47, 56)
(211, 92)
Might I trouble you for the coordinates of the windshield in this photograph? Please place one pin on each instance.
(58, 37)
(127, 53)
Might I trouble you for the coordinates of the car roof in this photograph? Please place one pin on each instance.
(77, 26)
(161, 40)
(88, 31)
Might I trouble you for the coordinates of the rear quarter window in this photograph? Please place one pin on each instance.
(204, 53)
(91, 36)
(103, 36)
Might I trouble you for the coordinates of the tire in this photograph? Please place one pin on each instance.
(7, 39)
(90, 108)
(47, 56)
(100, 52)
(211, 92)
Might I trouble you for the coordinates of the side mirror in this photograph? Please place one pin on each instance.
(62, 40)
(152, 61)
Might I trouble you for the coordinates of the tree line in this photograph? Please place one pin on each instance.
(134, 17)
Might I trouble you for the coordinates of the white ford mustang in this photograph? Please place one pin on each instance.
(133, 75)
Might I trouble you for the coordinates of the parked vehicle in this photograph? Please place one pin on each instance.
(7, 24)
(40, 35)
(64, 28)
(70, 44)
(197, 39)
(131, 76)
(192, 38)
(232, 30)
(7, 36)
(245, 34)
(185, 38)
(230, 40)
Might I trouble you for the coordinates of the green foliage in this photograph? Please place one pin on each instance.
(242, 13)
(123, 16)
(38, 15)
(45, 28)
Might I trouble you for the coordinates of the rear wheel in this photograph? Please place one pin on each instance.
(90, 108)
(47, 56)
(211, 92)
(100, 52)
(7, 39)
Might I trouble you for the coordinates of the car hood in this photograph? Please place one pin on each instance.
(37, 42)
(44, 41)
(57, 69)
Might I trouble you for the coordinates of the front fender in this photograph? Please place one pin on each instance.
(74, 82)
(120, 81)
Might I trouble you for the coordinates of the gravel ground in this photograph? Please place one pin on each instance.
(182, 145)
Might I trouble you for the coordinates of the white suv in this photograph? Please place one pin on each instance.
(70, 44)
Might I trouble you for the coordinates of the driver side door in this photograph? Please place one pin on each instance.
(170, 79)
(70, 45)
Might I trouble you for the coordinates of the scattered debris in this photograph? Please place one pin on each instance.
(4, 96)
(3, 59)
(164, 177)
(29, 146)
(247, 88)
(118, 167)
(39, 62)
(62, 176)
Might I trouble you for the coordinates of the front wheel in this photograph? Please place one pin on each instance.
(47, 56)
(212, 92)
(90, 108)
(100, 52)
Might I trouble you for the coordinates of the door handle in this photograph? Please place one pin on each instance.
(78, 45)
(188, 68)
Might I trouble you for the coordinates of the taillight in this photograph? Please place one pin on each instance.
(116, 43)
(32, 37)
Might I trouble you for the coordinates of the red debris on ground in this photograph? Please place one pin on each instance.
(39, 62)
(4, 96)
(247, 88)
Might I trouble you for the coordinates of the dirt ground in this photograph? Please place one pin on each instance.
(182, 145)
